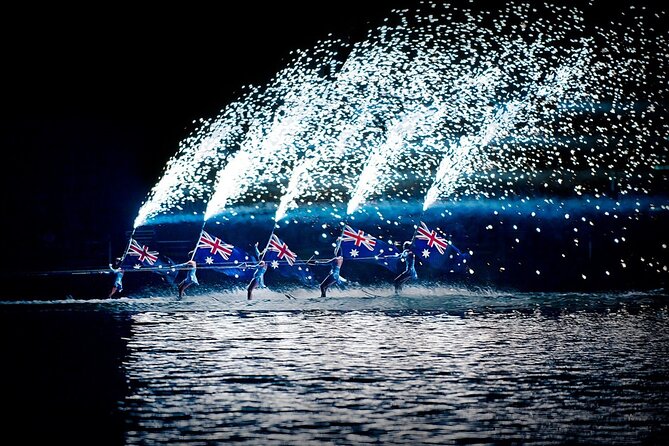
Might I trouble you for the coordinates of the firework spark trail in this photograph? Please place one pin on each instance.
(377, 172)
(420, 122)
(348, 116)
(187, 176)
(318, 177)
(429, 105)
(414, 141)
(345, 121)
(268, 149)
(459, 162)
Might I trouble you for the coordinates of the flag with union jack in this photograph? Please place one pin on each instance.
(222, 257)
(279, 251)
(140, 256)
(281, 259)
(433, 249)
(357, 244)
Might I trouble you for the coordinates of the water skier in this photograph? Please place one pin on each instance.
(258, 280)
(191, 277)
(116, 269)
(409, 259)
(333, 277)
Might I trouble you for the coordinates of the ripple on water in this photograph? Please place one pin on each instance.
(384, 377)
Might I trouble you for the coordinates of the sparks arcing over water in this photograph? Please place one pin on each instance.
(533, 110)
(188, 176)
(439, 103)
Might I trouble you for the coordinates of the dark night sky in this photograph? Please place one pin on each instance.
(96, 101)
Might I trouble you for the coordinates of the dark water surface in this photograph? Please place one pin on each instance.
(431, 367)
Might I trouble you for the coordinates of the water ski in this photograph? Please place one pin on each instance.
(289, 296)
(369, 293)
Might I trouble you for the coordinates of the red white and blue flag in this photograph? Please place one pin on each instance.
(434, 250)
(212, 248)
(430, 239)
(212, 251)
(280, 251)
(280, 258)
(144, 256)
(357, 244)
(357, 238)
(139, 256)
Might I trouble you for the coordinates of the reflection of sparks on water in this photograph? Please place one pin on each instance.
(440, 103)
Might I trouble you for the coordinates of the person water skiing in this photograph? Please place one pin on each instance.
(116, 269)
(258, 280)
(335, 268)
(191, 277)
(409, 259)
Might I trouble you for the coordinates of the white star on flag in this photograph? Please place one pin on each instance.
(274, 264)
(426, 253)
(354, 253)
(209, 260)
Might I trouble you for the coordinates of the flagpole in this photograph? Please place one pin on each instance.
(341, 235)
(127, 246)
(415, 226)
(262, 253)
(197, 243)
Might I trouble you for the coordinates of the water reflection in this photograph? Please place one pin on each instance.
(392, 378)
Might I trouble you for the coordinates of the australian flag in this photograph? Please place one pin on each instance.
(356, 244)
(139, 257)
(281, 259)
(222, 257)
(432, 249)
